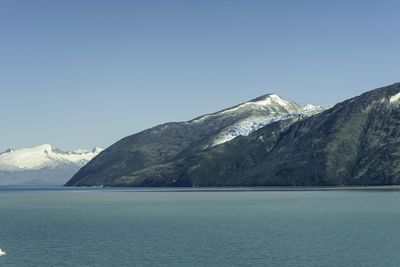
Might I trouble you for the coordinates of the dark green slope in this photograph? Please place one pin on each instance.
(357, 142)
(134, 152)
(225, 164)
(173, 141)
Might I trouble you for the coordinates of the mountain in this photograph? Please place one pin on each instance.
(41, 165)
(177, 140)
(356, 142)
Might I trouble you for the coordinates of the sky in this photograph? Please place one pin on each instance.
(82, 73)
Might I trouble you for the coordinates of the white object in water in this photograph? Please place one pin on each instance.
(2, 253)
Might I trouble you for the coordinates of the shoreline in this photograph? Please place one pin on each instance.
(196, 189)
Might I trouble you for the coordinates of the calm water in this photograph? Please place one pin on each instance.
(164, 228)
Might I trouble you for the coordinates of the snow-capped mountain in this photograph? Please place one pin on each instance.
(42, 165)
(173, 141)
(256, 114)
(354, 143)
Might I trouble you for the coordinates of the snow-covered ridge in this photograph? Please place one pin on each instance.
(310, 110)
(44, 156)
(260, 112)
(270, 103)
(267, 101)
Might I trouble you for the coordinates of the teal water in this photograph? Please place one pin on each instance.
(54, 227)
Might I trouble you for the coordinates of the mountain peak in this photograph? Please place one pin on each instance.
(42, 156)
(269, 99)
(170, 141)
(270, 104)
(264, 97)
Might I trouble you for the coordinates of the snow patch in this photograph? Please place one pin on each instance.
(394, 98)
(309, 107)
(247, 126)
(310, 110)
(253, 123)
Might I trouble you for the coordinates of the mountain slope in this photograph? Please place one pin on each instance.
(41, 165)
(173, 141)
(357, 142)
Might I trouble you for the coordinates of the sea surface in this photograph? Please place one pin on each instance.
(173, 227)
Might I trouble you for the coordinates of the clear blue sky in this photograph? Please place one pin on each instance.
(84, 73)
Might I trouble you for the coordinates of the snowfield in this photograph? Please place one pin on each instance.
(256, 114)
(42, 165)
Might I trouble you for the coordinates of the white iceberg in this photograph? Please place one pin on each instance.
(2, 253)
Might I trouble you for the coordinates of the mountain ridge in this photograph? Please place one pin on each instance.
(356, 142)
(171, 141)
(42, 164)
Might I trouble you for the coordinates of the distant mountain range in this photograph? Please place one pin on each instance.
(142, 159)
(42, 165)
